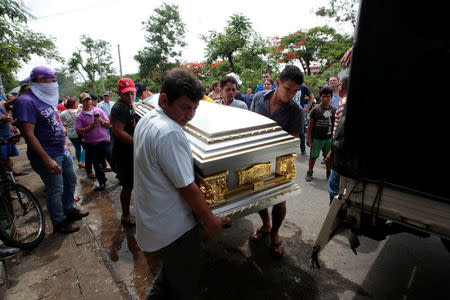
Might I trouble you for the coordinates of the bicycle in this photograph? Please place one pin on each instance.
(22, 221)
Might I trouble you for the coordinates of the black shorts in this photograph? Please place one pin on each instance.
(124, 164)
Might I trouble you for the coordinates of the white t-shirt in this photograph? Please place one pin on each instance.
(68, 118)
(236, 103)
(163, 163)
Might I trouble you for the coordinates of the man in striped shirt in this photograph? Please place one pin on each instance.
(340, 108)
(334, 180)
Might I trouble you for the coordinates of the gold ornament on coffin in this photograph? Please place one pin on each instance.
(254, 173)
(285, 166)
(213, 187)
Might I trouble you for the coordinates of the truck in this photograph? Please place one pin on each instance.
(390, 153)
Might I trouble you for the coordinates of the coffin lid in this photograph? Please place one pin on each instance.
(219, 131)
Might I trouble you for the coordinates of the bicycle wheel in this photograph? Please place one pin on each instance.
(22, 222)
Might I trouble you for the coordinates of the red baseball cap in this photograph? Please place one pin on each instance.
(126, 85)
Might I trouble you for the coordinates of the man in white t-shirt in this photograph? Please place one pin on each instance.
(166, 195)
(228, 84)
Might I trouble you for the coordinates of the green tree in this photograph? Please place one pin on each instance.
(164, 34)
(18, 43)
(320, 45)
(93, 58)
(238, 38)
(66, 82)
(342, 11)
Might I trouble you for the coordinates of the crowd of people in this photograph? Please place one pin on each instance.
(152, 156)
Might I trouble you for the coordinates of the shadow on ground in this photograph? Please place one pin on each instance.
(228, 272)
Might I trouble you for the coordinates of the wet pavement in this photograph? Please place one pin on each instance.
(103, 259)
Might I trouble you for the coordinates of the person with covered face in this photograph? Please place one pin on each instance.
(43, 131)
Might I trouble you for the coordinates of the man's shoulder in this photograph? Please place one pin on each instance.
(342, 101)
(80, 114)
(98, 110)
(316, 108)
(305, 89)
(294, 106)
(333, 108)
(26, 98)
(26, 104)
(119, 105)
(261, 94)
(158, 125)
(240, 103)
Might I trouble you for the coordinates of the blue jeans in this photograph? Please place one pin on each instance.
(59, 189)
(76, 142)
(303, 133)
(333, 184)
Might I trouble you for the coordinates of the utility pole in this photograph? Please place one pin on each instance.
(120, 62)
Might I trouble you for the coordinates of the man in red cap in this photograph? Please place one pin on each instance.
(123, 121)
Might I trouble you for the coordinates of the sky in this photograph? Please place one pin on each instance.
(120, 23)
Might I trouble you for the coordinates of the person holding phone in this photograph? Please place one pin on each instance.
(92, 123)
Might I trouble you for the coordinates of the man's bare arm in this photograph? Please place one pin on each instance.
(310, 102)
(194, 197)
(120, 134)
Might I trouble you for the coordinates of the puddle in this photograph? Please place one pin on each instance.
(130, 266)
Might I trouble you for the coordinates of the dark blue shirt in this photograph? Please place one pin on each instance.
(302, 92)
(241, 96)
(289, 116)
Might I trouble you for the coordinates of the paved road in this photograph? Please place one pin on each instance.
(402, 267)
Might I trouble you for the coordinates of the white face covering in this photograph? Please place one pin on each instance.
(46, 92)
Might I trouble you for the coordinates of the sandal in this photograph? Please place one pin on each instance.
(259, 234)
(277, 249)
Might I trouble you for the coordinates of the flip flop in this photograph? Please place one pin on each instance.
(258, 234)
(277, 249)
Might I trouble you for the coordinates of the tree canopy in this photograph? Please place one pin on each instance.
(238, 38)
(94, 57)
(18, 43)
(320, 45)
(342, 11)
(165, 37)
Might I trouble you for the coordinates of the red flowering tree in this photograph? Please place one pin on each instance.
(320, 45)
(203, 70)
